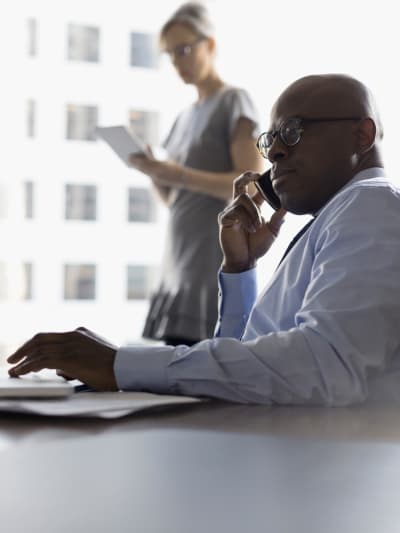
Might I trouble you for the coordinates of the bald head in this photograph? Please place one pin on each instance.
(325, 129)
(330, 95)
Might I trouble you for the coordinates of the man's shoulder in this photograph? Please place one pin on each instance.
(363, 216)
(369, 197)
(377, 184)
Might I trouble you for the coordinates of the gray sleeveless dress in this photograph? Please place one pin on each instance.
(185, 304)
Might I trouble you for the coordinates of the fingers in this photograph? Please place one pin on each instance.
(241, 182)
(275, 222)
(258, 199)
(137, 160)
(142, 162)
(44, 341)
(74, 354)
(63, 375)
(44, 350)
(241, 213)
(31, 364)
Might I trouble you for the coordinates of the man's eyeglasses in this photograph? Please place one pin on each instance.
(184, 50)
(290, 132)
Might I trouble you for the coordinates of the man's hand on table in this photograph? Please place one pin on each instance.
(78, 354)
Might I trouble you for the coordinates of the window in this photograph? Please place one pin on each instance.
(27, 273)
(141, 205)
(83, 43)
(80, 202)
(143, 50)
(145, 125)
(81, 122)
(31, 37)
(140, 280)
(79, 282)
(28, 198)
(31, 118)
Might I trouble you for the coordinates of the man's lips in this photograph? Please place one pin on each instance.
(280, 173)
(280, 178)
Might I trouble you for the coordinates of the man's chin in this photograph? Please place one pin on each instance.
(296, 207)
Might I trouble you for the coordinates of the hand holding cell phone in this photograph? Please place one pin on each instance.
(245, 235)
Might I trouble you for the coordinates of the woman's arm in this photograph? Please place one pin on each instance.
(167, 174)
(162, 191)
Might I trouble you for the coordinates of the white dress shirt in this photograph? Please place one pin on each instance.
(324, 331)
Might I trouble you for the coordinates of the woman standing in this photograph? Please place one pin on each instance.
(210, 143)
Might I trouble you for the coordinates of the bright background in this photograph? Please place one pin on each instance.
(262, 46)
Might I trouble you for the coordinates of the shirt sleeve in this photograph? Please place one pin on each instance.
(240, 105)
(237, 294)
(345, 331)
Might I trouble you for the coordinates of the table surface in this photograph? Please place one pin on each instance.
(213, 467)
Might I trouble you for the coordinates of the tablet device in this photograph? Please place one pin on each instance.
(121, 141)
(45, 384)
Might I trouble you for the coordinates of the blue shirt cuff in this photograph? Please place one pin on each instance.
(238, 293)
(142, 368)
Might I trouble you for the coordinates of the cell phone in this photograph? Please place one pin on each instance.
(264, 186)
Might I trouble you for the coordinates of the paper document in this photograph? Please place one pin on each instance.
(95, 404)
(123, 142)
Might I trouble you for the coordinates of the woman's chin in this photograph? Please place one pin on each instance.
(186, 77)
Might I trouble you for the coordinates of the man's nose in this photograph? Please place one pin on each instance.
(278, 150)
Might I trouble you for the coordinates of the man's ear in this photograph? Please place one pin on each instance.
(366, 134)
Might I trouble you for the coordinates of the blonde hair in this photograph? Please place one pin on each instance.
(192, 14)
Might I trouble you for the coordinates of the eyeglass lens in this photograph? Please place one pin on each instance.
(183, 50)
(289, 132)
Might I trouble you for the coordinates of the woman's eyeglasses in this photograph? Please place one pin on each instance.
(184, 50)
(290, 132)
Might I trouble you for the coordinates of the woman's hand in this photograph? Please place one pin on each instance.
(244, 234)
(164, 173)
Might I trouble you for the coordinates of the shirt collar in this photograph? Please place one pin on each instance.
(368, 173)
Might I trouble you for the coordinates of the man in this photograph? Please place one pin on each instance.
(325, 330)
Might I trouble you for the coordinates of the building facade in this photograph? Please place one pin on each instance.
(82, 235)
